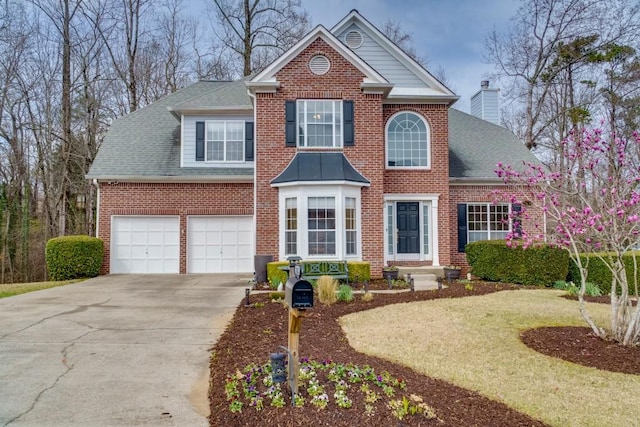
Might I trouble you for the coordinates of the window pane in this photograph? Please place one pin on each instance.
(425, 228)
(319, 123)
(350, 226)
(487, 221)
(321, 215)
(390, 243)
(225, 141)
(407, 141)
(291, 226)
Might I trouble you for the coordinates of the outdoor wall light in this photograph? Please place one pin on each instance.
(278, 372)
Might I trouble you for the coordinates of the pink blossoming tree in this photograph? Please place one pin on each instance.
(591, 206)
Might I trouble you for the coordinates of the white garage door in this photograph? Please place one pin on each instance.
(145, 244)
(220, 244)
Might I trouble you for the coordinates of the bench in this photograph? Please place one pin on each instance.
(315, 269)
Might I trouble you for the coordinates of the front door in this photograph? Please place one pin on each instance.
(408, 227)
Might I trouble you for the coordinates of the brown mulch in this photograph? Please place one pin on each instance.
(257, 331)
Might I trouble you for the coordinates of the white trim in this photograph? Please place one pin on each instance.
(337, 140)
(302, 193)
(425, 200)
(182, 141)
(231, 163)
(321, 183)
(116, 179)
(386, 143)
(95, 182)
(267, 76)
(456, 182)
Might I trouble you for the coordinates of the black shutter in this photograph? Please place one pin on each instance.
(462, 226)
(347, 114)
(200, 141)
(248, 141)
(516, 208)
(290, 119)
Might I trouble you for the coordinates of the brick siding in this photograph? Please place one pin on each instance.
(180, 199)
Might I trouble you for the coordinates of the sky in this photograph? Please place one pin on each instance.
(448, 33)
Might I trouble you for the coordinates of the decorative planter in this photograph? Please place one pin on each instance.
(451, 273)
(390, 274)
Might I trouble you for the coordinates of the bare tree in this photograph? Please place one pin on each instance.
(257, 31)
(545, 48)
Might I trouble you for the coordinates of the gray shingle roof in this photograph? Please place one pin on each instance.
(476, 146)
(146, 143)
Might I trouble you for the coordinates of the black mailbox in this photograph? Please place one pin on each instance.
(299, 294)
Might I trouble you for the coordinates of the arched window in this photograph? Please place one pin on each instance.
(407, 141)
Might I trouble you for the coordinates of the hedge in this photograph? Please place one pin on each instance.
(598, 273)
(360, 268)
(73, 257)
(538, 265)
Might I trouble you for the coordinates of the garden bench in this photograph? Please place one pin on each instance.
(315, 269)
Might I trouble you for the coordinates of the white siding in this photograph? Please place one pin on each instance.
(383, 62)
(189, 141)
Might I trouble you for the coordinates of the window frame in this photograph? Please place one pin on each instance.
(489, 221)
(302, 193)
(302, 125)
(226, 140)
(427, 142)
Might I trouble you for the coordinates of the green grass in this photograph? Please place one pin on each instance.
(9, 290)
(474, 343)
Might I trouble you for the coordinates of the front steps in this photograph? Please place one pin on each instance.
(424, 277)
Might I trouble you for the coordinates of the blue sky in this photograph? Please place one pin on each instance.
(448, 33)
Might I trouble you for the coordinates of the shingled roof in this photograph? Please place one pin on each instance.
(476, 146)
(145, 145)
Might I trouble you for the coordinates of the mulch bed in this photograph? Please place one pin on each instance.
(255, 332)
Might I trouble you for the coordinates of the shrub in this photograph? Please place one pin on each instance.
(493, 260)
(362, 269)
(327, 286)
(599, 274)
(275, 275)
(345, 293)
(73, 257)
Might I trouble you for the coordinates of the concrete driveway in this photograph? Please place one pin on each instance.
(114, 350)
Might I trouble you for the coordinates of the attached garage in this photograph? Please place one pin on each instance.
(220, 244)
(145, 244)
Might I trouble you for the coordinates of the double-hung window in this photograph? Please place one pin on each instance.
(351, 232)
(225, 141)
(291, 226)
(321, 216)
(487, 221)
(319, 123)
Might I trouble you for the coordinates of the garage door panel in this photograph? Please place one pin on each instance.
(145, 244)
(227, 243)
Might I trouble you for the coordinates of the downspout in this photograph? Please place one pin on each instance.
(255, 175)
(95, 182)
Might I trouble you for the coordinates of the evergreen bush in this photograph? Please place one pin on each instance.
(73, 257)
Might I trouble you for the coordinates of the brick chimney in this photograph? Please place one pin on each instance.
(484, 104)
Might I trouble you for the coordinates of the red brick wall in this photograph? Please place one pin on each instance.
(432, 181)
(183, 199)
(367, 156)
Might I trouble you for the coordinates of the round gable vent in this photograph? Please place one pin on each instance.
(319, 65)
(353, 39)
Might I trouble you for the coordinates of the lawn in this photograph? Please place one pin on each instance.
(11, 289)
(474, 343)
(456, 351)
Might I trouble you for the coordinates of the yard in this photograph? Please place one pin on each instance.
(451, 357)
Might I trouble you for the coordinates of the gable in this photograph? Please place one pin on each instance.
(409, 79)
(380, 59)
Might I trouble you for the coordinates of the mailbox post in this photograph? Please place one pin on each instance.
(299, 297)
